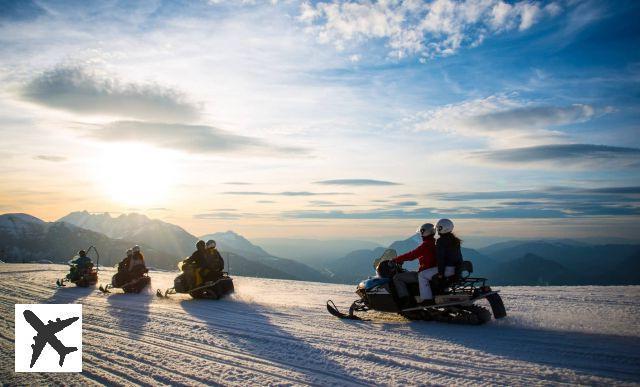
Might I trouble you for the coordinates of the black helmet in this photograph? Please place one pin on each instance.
(387, 269)
(82, 253)
(200, 244)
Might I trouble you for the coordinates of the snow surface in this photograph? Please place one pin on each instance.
(277, 332)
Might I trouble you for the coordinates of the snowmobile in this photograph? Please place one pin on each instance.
(134, 286)
(212, 289)
(454, 297)
(88, 277)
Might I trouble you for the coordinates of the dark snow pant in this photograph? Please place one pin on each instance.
(401, 280)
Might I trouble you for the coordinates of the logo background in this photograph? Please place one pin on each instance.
(70, 336)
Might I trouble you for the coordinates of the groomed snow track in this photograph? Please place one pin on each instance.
(278, 332)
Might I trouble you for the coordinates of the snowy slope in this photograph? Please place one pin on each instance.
(278, 332)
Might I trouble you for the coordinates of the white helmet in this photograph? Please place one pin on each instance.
(211, 244)
(444, 226)
(426, 230)
(136, 249)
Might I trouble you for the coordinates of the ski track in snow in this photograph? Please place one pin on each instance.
(278, 332)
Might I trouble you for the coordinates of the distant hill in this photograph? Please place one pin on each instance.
(528, 262)
(355, 266)
(587, 261)
(628, 271)
(231, 242)
(239, 265)
(313, 252)
(531, 269)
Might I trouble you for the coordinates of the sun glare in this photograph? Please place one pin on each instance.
(135, 175)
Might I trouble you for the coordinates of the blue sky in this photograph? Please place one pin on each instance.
(327, 119)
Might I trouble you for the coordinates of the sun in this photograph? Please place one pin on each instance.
(135, 175)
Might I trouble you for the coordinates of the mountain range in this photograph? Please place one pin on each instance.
(517, 262)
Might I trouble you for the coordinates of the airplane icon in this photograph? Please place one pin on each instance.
(47, 334)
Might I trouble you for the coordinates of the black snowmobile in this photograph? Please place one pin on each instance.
(87, 277)
(132, 284)
(210, 288)
(454, 297)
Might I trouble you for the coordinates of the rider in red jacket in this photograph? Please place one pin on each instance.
(426, 254)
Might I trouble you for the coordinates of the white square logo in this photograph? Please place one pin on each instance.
(48, 337)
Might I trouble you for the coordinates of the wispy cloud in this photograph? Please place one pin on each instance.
(188, 138)
(218, 215)
(328, 204)
(78, 90)
(51, 158)
(588, 155)
(505, 120)
(286, 193)
(356, 182)
(407, 204)
(428, 29)
(550, 211)
(429, 213)
(568, 194)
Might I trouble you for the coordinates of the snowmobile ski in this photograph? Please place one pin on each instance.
(331, 307)
(105, 288)
(166, 293)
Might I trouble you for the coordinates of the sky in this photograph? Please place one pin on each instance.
(328, 119)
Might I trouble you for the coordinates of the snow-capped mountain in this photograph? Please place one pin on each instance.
(26, 238)
(139, 228)
(231, 241)
(177, 242)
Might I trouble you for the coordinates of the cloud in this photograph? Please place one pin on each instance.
(189, 138)
(429, 213)
(564, 201)
(356, 182)
(326, 204)
(286, 193)
(53, 159)
(615, 190)
(77, 90)
(218, 215)
(237, 183)
(536, 211)
(427, 29)
(504, 120)
(581, 154)
(407, 204)
(551, 194)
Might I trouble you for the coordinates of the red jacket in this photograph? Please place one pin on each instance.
(426, 254)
